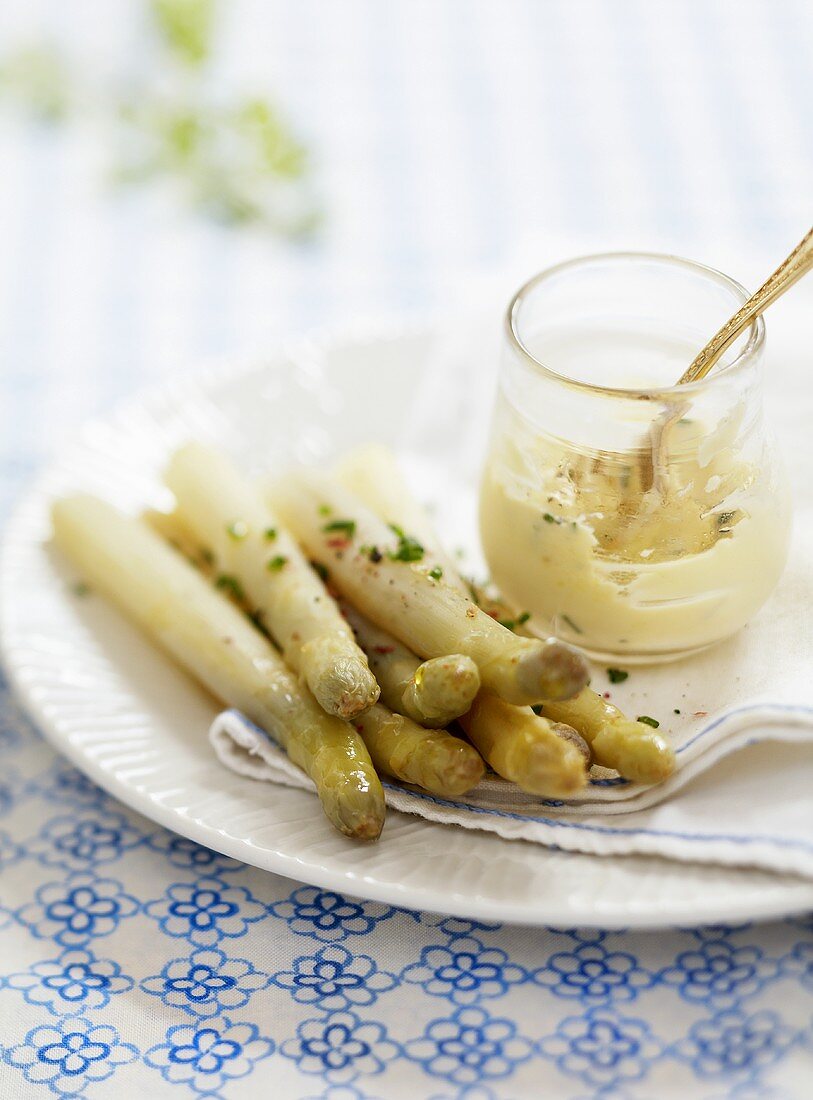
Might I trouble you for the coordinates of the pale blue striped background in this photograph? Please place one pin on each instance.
(453, 139)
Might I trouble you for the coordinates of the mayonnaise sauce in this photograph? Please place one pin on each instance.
(619, 568)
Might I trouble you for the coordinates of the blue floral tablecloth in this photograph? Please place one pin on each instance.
(452, 140)
(134, 960)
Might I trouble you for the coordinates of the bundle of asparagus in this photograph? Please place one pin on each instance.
(353, 643)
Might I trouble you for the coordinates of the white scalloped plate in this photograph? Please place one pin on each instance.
(137, 726)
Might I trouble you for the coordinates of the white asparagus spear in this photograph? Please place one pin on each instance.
(371, 471)
(541, 757)
(430, 758)
(177, 607)
(383, 576)
(228, 515)
(632, 748)
(432, 693)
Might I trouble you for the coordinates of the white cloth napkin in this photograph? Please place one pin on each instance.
(740, 795)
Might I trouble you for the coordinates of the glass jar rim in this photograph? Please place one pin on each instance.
(753, 345)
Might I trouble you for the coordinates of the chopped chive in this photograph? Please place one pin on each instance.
(617, 675)
(648, 721)
(207, 557)
(324, 509)
(509, 624)
(321, 571)
(81, 589)
(270, 533)
(228, 583)
(548, 518)
(277, 563)
(409, 549)
(523, 618)
(346, 526)
(676, 711)
(238, 529)
(372, 552)
(566, 619)
(436, 573)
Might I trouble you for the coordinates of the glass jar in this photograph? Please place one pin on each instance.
(638, 519)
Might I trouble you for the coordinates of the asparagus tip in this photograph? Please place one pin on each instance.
(553, 671)
(567, 733)
(356, 806)
(345, 688)
(636, 751)
(553, 770)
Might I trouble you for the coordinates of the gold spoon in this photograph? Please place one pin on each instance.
(797, 264)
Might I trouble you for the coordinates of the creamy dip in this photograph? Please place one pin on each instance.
(623, 569)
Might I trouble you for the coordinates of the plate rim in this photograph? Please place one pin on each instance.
(17, 533)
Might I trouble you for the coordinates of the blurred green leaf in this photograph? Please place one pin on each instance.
(186, 27)
(279, 152)
(237, 160)
(38, 79)
(240, 164)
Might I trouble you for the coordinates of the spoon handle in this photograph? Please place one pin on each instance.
(798, 263)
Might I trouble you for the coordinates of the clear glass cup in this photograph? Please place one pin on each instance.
(640, 520)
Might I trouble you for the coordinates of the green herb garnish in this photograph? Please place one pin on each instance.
(81, 589)
(409, 549)
(566, 619)
(617, 675)
(346, 526)
(676, 711)
(270, 533)
(523, 618)
(436, 573)
(277, 563)
(648, 721)
(509, 624)
(206, 556)
(227, 583)
(237, 530)
(548, 518)
(324, 509)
